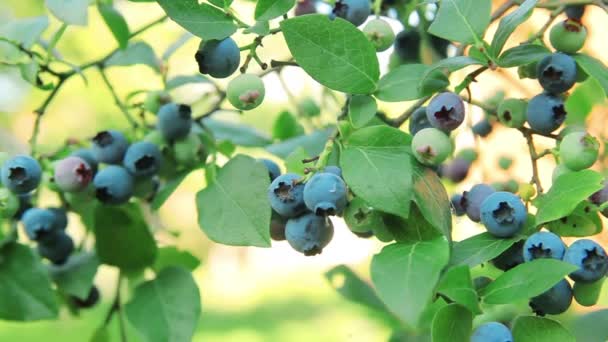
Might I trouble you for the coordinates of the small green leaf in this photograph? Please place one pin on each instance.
(269, 9)
(24, 31)
(479, 248)
(179, 81)
(135, 53)
(286, 126)
(293, 162)
(352, 287)
(171, 256)
(430, 79)
(539, 329)
(405, 274)
(594, 68)
(463, 21)
(234, 209)
(333, 52)
(566, 193)
(312, 143)
(75, 277)
(402, 83)
(239, 134)
(415, 228)
(456, 284)
(116, 23)
(509, 23)
(526, 280)
(432, 199)
(361, 109)
(582, 99)
(166, 308)
(72, 12)
(261, 28)
(167, 190)
(523, 55)
(583, 221)
(452, 323)
(202, 20)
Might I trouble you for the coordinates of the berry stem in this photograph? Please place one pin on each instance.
(540, 33)
(398, 121)
(117, 101)
(533, 158)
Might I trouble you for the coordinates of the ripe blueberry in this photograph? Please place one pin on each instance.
(355, 11)
(286, 195)
(600, 197)
(273, 169)
(544, 245)
(277, 227)
(113, 185)
(553, 302)
(40, 224)
(9, 203)
(546, 112)
(510, 258)
(87, 155)
(471, 200)
(557, 73)
(380, 34)
(309, 233)
(575, 11)
(246, 91)
(57, 247)
(325, 194)
(174, 121)
(445, 111)
(578, 150)
(457, 208)
(72, 174)
(88, 302)
(142, 159)
(492, 332)
(21, 174)
(218, 58)
(431, 146)
(483, 128)
(333, 169)
(503, 214)
(512, 112)
(109, 146)
(419, 121)
(590, 258)
(456, 170)
(304, 7)
(407, 45)
(61, 218)
(568, 36)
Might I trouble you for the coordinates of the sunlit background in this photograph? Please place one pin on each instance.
(248, 294)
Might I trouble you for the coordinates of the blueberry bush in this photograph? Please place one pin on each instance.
(390, 178)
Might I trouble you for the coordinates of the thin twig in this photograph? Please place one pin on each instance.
(540, 33)
(398, 121)
(533, 158)
(117, 101)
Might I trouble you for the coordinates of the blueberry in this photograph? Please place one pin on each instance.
(457, 208)
(87, 155)
(590, 258)
(600, 197)
(277, 227)
(445, 111)
(325, 194)
(407, 45)
(568, 36)
(246, 91)
(380, 34)
(544, 245)
(512, 112)
(557, 73)
(419, 121)
(355, 11)
(72, 174)
(472, 199)
(21, 174)
(309, 234)
(431, 146)
(189, 151)
(57, 247)
(304, 7)
(492, 332)
(575, 11)
(142, 159)
(457, 170)
(113, 185)
(25, 203)
(510, 258)
(109, 146)
(578, 150)
(481, 282)
(88, 302)
(9, 204)
(483, 128)
(273, 169)
(333, 169)
(218, 58)
(440, 45)
(174, 121)
(286, 195)
(61, 218)
(546, 112)
(555, 301)
(40, 224)
(503, 214)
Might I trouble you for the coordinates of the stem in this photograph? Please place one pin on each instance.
(539, 35)
(398, 121)
(117, 101)
(533, 158)
(277, 64)
(214, 109)
(117, 308)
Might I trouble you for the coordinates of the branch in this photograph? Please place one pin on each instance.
(398, 121)
(539, 35)
(533, 158)
(117, 101)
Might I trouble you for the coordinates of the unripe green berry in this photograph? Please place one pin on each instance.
(559, 170)
(512, 112)
(380, 34)
(382, 233)
(526, 191)
(9, 203)
(587, 294)
(505, 162)
(468, 154)
(431, 146)
(579, 150)
(188, 151)
(156, 138)
(360, 217)
(568, 36)
(246, 91)
(155, 99)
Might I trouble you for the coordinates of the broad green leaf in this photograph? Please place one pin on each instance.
(522, 55)
(286, 126)
(415, 228)
(221, 3)
(293, 162)
(166, 308)
(72, 12)
(116, 23)
(591, 327)
(239, 134)
(432, 199)
(25, 286)
(135, 53)
(377, 166)
(171, 256)
(202, 20)
(526, 280)
(261, 28)
(594, 68)
(401, 83)
(25, 32)
(269, 9)
(167, 190)
(582, 99)
(361, 109)
(539, 329)
(312, 143)
(452, 323)
(479, 248)
(333, 52)
(463, 21)
(456, 284)
(352, 287)
(566, 193)
(509, 23)
(405, 274)
(583, 221)
(179, 81)
(234, 209)
(123, 238)
(75, 277)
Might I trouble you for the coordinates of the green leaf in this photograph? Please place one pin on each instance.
(415, 228)
(583, 221)
(522, 55)
(116, 23)
(25, 32)
(202, 20)
(261, 28)
(432, 199)
(347, 283)
(269, 9)
(594, 68)
(171, 256)
(405, 274)
(566, 193)
(239, 134)
(452, 323)
(72, 12)
(509, 23)
(582, 99)
(361, 109)
(333, 52)
(234, 209)
(312, 143)
(401, 83)
(286, 126)
(377, 166)
(293, 162)
(539, 329)
(526, 280)
(429, 80)
(479, 248)
(221, 3)
(25, 286)
(166, 308)
(456, 284)
(463, 21)
(135, 53)
(591, 327)
(123, 238)
(75, 277)
(181, 80)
